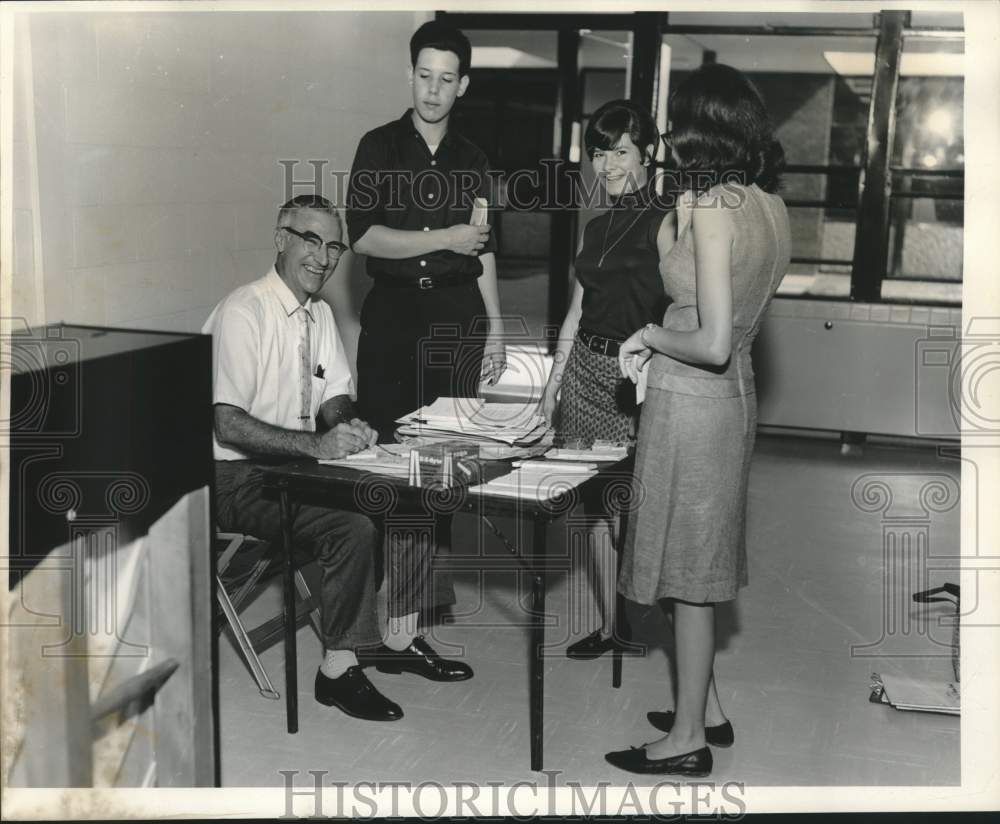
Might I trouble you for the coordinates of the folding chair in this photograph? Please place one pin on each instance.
(253, 641)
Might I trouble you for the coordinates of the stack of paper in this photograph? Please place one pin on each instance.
(539, 480)
(473, 419)
(597, 453)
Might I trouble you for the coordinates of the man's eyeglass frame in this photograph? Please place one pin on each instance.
(334, 248)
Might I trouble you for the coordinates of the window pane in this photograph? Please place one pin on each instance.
(818, 236)
(944, 19)
(603, 61)
(927, 213)
(812, 20)
(929, 122)
(784, 54)
(603, 77)
(600, 86)
(910, 291)
(838, 188)
(509, 111)
(921, 243)
(817, 90)
(818, 285)
(820, 114)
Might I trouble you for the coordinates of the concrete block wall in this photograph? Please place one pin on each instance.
(158, 137)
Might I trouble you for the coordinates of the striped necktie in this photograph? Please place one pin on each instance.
(305, 370)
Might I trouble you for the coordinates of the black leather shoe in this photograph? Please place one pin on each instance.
(721, 735)
(353, 693)
(696, 763)
(591, 647)
(418, 658)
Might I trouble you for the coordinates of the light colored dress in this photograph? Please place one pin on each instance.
(686, 539)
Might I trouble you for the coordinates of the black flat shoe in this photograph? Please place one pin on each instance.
(721, 735)
(355, 695)
(696, 763)
(590, 647)
(418, 658)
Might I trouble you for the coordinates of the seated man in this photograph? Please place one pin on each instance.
(278, 361)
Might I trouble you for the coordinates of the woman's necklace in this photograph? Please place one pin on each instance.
(607, 233)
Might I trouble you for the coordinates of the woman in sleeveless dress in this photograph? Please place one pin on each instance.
(618, 288)
(684, 546)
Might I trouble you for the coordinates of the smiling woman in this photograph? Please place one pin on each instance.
(618, 289)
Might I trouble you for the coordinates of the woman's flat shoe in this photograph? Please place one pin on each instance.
(590, 647)
(696, 763)
(721, 735)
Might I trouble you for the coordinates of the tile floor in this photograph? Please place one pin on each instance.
(795, 654)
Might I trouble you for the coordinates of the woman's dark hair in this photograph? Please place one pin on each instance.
(616, 118)
(720, 131)
(436, 35)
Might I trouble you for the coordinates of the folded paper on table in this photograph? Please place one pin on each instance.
(502, 451)
(390, 459)
(533, 485)
(596, 453)
(554, 467)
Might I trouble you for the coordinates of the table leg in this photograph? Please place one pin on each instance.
(537, 665)
(616, 652)
(288, 585)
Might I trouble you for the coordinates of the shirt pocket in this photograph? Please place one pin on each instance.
(318, 394)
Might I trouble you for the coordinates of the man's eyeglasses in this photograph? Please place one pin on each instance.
(334, 248)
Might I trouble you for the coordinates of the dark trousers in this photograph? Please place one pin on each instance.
(342, 543)
(416, 346)
(413, 585)
(344, 546)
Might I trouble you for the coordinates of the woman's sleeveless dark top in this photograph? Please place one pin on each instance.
(625, 292)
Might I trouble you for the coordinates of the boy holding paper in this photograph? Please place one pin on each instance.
(410, 208)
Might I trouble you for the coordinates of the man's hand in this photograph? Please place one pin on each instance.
(342, 440)
(465, 239)
(363, 430)
(494, 360)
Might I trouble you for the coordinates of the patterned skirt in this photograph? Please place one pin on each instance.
(595, 401)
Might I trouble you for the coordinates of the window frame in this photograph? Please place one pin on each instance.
(876, 175)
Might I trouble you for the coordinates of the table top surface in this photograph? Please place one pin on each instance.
(371, 488)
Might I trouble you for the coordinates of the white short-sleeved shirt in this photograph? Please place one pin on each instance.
(255, 355)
